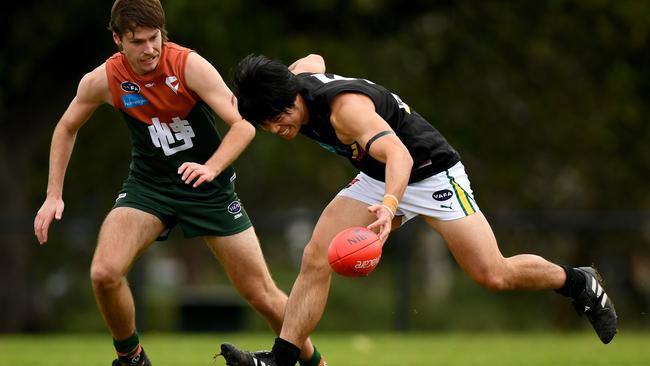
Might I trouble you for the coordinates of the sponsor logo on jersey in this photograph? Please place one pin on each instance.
(130, 87)
(164, 135)
(353, 151)
(327, 147)
(442, 195)
(172, 83)
(356, 151)
(133, 100)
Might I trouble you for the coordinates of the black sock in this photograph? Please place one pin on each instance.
(575, 282)
(285, 353)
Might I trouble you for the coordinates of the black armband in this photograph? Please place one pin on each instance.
(375, 137)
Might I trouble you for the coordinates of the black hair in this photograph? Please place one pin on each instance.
(264, 88)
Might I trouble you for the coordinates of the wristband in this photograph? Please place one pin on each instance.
(391, 202)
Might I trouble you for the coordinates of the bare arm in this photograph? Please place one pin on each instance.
(91, 93)
(354, 119)
(204, 79)
(311, 63)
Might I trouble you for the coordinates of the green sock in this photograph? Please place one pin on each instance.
(314, 360)
(126, 347)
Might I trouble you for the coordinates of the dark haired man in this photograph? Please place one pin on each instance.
(407, 169)
(180, 174)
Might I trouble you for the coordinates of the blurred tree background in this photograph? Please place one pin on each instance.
(546, 101)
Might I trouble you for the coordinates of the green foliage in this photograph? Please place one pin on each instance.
(545, 101)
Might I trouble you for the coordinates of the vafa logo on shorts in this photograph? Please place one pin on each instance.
(234, 208)
(442, 195)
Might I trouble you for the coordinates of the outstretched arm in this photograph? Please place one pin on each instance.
(206, 81)
(311, 63)
(354, 119)
(91, 93)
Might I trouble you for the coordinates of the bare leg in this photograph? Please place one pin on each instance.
(243, 261)
(310, 291)
(125, 233)
(473, 245)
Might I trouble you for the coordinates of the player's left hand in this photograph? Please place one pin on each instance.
(384, 220)
(191, 171)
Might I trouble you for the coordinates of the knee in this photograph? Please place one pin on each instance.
(104, 276)
(314, 260)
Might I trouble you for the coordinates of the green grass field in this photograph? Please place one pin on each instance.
(453, 349)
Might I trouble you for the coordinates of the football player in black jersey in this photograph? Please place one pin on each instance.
(407, 169)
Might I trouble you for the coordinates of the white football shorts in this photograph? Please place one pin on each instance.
(444, 196)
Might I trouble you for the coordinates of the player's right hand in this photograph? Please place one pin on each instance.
(202, 173)
(51, 209)
(383, 222)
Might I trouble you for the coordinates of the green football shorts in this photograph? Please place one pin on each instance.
(201, 211)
